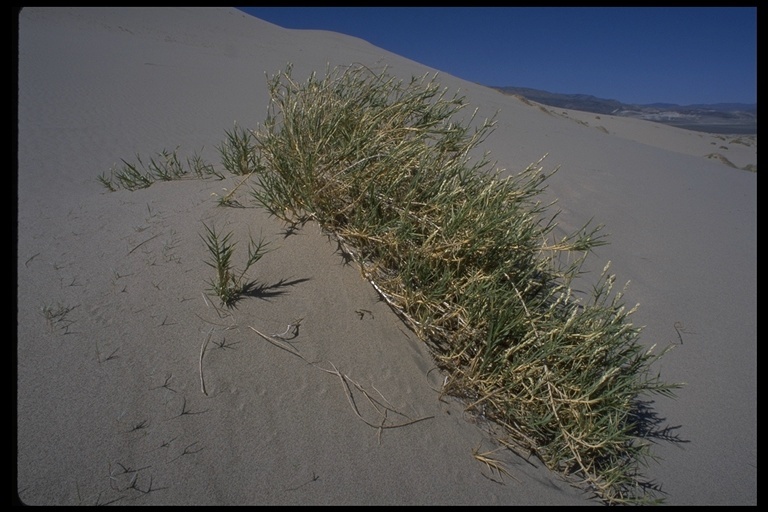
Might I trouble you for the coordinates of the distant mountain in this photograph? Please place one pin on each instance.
(721, 107)
(732, 118)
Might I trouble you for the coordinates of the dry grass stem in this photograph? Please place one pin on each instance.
(347, 384)
(493, 464)
(202, 352)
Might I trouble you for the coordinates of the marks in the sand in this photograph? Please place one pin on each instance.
(120, 286)
(314, 478)
(223, 344)
(165, 385)
(680, 330)
(60, 308)
(353, 390)
(58, 317)
(105, 294)
(151, 233)
(97, 501)
(188, 412)
(149, 246)
(123, 483)
(157, 427)
(190, 449)
(103, 357)
(147, 445)
(125, 478)
(165, 322)
(363, 312)
(152, 435)
(90, 309)
(29, 260)
(140, 425)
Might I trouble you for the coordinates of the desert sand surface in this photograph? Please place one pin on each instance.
(114, 403)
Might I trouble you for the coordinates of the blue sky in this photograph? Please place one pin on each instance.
(639, 55)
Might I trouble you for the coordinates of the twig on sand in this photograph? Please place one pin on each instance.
(315, 478)
(287, 348)
(145, 241)
(26, 263)
(345, 381)
(202, 351)
(380, 407)
(292, 329)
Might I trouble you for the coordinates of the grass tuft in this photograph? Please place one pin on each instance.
(467, 257)
(238, 152)
(228, 284)
(164, 166)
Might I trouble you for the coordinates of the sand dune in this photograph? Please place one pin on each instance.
(111, 313)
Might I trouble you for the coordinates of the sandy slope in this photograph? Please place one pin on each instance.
(109, 400)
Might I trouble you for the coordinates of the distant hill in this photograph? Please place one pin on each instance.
(732, 118)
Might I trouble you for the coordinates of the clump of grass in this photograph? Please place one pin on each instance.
(239, 156)
(202, 169)
(164, 166)
(228, 284)
(238, 152)
(467, 257)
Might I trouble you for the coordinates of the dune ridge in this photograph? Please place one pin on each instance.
(111, 312)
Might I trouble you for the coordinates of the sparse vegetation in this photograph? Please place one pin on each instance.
(743, 141)
(468, 259)
(57, 317)
(228, 284)
(240, 157)
(165, 166)
(238, 152)
(464, 254)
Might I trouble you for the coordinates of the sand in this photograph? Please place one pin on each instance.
(112, 314)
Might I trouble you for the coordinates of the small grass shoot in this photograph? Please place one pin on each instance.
(228, 284)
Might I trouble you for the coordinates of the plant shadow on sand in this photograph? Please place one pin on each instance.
(649, 426)
(270, 291)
